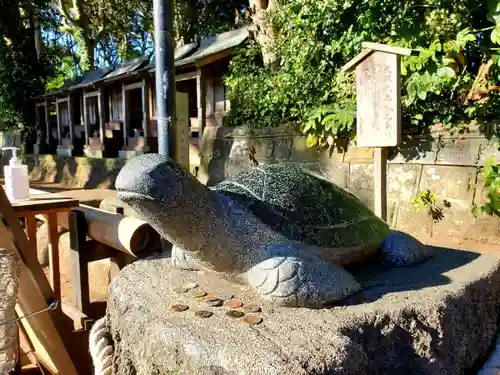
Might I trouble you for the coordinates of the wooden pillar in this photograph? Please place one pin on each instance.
(125, 116)
(58, 120)
(201, 93)
(101, 109)
(145, 109)
(47, 123)
(380, 182)
(71, 119)
(85, 119)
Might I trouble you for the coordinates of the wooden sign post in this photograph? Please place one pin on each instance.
(378, 108)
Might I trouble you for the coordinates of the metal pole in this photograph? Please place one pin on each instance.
(165, 78)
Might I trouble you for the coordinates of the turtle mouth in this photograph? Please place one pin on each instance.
(127, 196)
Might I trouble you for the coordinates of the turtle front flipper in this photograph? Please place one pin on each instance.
(183, 260)
(296, 279)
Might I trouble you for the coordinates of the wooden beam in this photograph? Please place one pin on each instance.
(58, 120)
(186, 76)
(351, 65)
(380, 182)
(62, 100)
(91, 94)
(40, 104)
(201, 93)
(390, 49)
(125, 116)
(145, 109)
(86, 120)
(71, 118)
(101, 106)
(133, 86)
(79, 263)
(47, 123)
(40, 328)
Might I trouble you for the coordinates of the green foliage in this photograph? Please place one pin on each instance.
(491, 174)
(315, 38)
(427, 199)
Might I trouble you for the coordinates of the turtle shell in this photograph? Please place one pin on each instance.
(304, 206)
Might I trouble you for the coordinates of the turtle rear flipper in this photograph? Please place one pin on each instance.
(299, 279)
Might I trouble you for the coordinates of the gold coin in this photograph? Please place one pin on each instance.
(180, 308)
(253, 319)
(210, 298)
(234, 314)
(252, 309)
(234, 303)
(203, 314)
(198, 294)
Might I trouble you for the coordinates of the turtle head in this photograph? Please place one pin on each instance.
(165, 195)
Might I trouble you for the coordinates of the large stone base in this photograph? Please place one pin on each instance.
(439, 317)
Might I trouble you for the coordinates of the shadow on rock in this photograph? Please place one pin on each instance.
(379, 279)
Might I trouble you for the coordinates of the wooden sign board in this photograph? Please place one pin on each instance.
(378, 105)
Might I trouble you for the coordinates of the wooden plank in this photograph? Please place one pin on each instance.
(54, 269)
(31, 228)
(79, 264)
(27, 253)
(351, 65)
(390, 49)
(80, 320)
(201, 93)
(62, 100)
(43, 203)
(380, 182)
(40, 328)
(378, 98)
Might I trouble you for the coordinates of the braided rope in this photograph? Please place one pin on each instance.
(101, 348)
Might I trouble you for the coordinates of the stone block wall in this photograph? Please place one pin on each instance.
(446, 164)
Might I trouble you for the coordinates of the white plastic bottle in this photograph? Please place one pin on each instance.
(17, 185)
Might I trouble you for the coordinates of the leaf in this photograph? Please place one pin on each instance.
(495, 35)
(446, 72)
(494, 11)
(311, 140)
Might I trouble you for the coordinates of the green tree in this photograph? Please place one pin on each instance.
(21, 69)
(455, 78)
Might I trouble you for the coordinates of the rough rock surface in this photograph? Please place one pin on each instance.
(437, 317)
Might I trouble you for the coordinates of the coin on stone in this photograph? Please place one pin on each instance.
(234, 303)
(210, 298)
(198, 294)
(179, 308)
(180, 290)
(215, 303)
(253, 319)
(226, 297)
(252, 309)
(203, 314)
(235, 314)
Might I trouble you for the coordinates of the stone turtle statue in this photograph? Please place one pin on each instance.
(284, 230)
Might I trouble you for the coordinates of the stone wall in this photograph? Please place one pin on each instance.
(446, 164)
